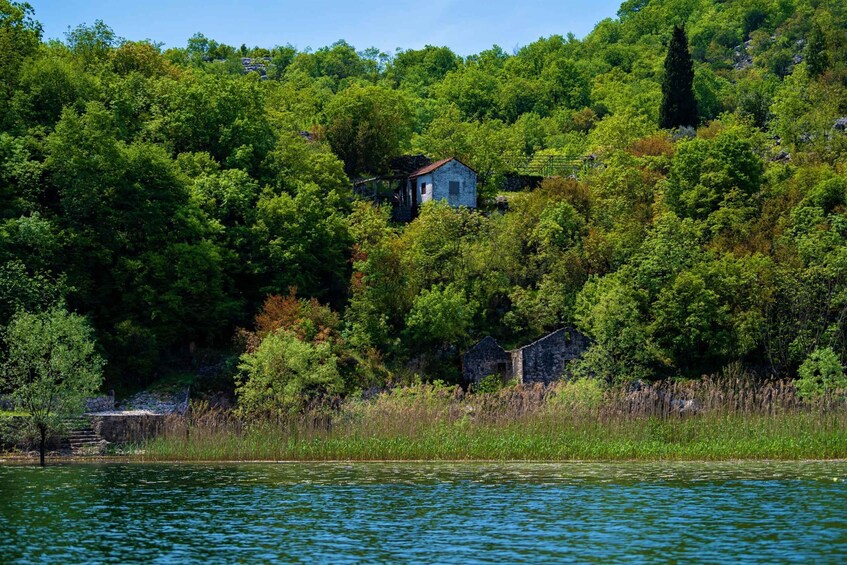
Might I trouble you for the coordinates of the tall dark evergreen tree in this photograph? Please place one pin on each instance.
(816, 55)
(679, 106)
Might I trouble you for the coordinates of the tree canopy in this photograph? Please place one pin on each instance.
(50, 367)
(166, 194)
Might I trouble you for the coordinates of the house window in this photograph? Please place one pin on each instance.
(423, 188)
(454, 189)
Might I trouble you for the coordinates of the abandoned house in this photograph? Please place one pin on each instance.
(448, 179)
(542, 361)
(415, 180)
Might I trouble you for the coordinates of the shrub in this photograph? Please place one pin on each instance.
(704, 172)
(820, 372)
(828, 194)
(439, 316)
(488, 384)
(284, 374)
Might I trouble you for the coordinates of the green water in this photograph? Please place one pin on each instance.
(425, 512)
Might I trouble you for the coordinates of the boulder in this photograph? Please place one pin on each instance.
(781, 157)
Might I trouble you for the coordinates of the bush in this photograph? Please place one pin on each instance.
(284, 374)
(828, 194)
(820, 373)
(488, 384)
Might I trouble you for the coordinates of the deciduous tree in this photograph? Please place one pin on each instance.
(367, 126)
(51, 366)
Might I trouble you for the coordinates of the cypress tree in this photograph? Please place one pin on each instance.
(679, 106)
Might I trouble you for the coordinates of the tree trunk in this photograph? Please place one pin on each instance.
(42, 448)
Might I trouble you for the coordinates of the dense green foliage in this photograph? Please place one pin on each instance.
(50, 366)
(820, 373)
(283, 372)
(165, 194)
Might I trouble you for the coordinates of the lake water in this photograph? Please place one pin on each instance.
(425, 512)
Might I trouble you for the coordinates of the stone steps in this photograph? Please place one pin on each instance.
(82, 439)
(87, 436)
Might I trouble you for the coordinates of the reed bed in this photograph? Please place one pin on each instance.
(703, 420)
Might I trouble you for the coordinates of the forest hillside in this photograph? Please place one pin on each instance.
(195, 203)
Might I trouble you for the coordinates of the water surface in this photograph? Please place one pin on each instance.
(425, 512)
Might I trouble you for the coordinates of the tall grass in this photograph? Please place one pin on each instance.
(736, 419)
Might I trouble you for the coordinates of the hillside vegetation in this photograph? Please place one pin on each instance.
(172, 197)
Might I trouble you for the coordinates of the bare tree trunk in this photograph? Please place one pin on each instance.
(42, 448)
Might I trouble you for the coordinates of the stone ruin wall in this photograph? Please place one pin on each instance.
(517, 183)
(517, 365)
(486, 358)
(100, 403)
(544, 361)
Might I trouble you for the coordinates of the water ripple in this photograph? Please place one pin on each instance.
(425, 512)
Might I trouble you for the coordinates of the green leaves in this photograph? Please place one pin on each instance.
(367, 126)
(20, 37)
(820, 373)
(690, 321)
(440, 316)
(706, 172)
(305, 239)
(679, 106)
(51, 364)
(560, 227)
(817, 58)
(674, 307)
(222, 115)
(284, 374)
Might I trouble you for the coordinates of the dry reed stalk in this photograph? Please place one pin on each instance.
(524, 421)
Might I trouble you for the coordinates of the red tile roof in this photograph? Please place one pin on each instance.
(437, 165)
(429, 168)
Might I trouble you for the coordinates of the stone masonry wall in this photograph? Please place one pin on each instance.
(486, 358)
(128, 428)
(517, 183)
(544, 360)
(517, 365)
(455, 171)
(100, 403)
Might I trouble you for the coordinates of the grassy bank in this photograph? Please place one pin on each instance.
(737, 420)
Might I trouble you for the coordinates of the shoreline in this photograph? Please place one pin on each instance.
(538, 424)
(114, 459)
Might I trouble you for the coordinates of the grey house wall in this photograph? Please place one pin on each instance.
(438, 185)
(455, 171)
(437, 188)
(420, 180)
(414, 184)
(542, 361)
